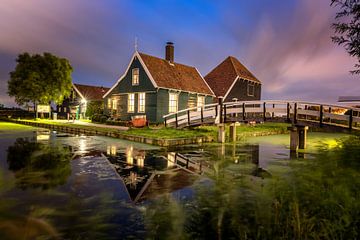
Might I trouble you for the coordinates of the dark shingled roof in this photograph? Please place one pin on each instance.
(175, 75)
(223, 75)
(92, 93)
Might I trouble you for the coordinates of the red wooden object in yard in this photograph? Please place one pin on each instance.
(139, 122)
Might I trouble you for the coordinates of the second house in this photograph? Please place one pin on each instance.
(152, 87)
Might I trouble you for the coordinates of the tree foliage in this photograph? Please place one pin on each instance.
(94, 107)
(347, 28)
(40, 79)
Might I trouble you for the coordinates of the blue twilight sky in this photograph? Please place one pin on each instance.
(285, 43)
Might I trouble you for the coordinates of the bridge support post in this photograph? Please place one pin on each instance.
(302, 131)
(221, 133)
(233, 132)
(294, 138)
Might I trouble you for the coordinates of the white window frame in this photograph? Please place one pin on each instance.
(131, 103)
(173, 98)
(114, 104)
(141, 102)
(200, 103)
(109, 103)
(253, 89)
(135, 73)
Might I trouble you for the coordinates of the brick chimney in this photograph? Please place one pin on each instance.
(169, 52)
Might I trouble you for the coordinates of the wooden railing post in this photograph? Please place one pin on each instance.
(288, 112)
(224, 113)
(273, 113)
(221, 109)
(165, 121)
(264, 111)
(188, 117)
(202, 114)
(321, 115)
(243, 111)
(295, 113)
(350, 119)
(176, 120)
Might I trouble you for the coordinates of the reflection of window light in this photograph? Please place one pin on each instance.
(42, 137)
(171, 159)
(129, 155)
(113, 150)
(82, 144)
(133, 179)
(140, 161)
(108, 150)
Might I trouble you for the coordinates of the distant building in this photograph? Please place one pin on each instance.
(81, 95)
(152, 87)
(350, 100)
(233, 81)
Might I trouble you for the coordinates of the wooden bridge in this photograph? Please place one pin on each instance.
(262, 111)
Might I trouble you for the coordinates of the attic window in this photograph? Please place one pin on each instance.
(135, 76)
(250, 89)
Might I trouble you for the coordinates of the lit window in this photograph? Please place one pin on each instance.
(200, 101)
(135, 76)
(251, 89)
(141, 102)
(114, 104)
(131, 102)
(173, 102)
(109, 103)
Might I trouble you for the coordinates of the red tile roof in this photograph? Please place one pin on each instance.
(222, 76)
(92, 93)
(175, 75)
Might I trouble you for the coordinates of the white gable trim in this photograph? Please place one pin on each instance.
(77, 90)
(205, 82)
(136, 54)
(147, 70)
(232, 85)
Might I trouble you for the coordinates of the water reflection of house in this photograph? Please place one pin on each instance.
(80, 97)
(147, 176)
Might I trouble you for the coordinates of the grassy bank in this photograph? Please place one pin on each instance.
(8, 126)
(243, 130)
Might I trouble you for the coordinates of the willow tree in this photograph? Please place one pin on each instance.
(347, 28)
(40, 79)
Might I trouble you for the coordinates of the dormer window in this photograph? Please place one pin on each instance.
(135, 76)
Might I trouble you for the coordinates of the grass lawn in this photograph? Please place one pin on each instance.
(243, 130)
(7, 126)
(171, 133)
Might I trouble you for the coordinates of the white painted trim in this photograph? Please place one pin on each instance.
(77, 90)
(179, 90)
(118, 81)
(205, 82)
(146, 70)
(232, 85)
(138, 110)
(136, 54)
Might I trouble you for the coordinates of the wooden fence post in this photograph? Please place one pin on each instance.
(350, 119)
(243, 111)
(188, 117)
(321, 115)
(264, 111)
(202, 114)
(288, 112)
(295, 113)
(176, 120)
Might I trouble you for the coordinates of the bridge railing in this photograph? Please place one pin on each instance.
(199, 115)
(271, 110)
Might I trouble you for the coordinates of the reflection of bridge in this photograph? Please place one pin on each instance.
(261, 111)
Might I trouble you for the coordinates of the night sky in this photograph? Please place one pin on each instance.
(286, 44)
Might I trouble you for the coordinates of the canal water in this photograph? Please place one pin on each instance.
(57, 185)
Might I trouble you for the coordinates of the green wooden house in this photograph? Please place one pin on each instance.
(152, 87)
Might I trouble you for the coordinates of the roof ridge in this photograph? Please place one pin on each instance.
(162, 59)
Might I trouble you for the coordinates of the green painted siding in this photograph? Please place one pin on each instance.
(157, 100)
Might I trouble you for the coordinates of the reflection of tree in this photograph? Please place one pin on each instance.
(37, 165)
